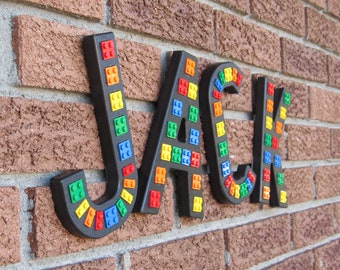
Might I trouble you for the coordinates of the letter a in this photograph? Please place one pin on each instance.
(173, 146)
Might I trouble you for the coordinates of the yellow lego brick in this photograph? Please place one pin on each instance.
(82, 208)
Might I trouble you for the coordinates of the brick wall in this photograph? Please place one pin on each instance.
(48, 125)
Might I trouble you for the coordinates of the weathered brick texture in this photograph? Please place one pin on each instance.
(301, 61)
(299, 184)
(312, 225)
(300, 262)
(49, 54)
(103, 264)
(324, 105)
(327, 256)
(182, 21)
(240, 5)
(43, 136)
(327, 181)
(288, 15)
(308, 143)
(91, 9)
(204, 251)
(323, 31)
(333, 7)
(337, 217)
(247, 42)
(52, 51)
(49, 238)
(320, 4)
(9, 225)
(335, 143)
(333, 71)
(256, 242)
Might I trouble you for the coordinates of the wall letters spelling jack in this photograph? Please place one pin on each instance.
(173, 145)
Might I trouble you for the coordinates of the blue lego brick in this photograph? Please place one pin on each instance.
(111, 216)
(218, 84)
(225, 167)
(125, 151)
(267, 157)
(277, 161)
(186, 155)
(194, 136)
(177, 106)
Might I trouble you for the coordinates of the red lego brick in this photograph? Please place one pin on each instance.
(107, 49)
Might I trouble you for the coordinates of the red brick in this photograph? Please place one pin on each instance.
(204, 251)
(140, 124)
(337, 217)
(299, 106)
(141, 70)
(308, 143)
(333, 71)
(103, 264)
(49, 238)
(312, 225)
(182, 21)
(288, 15)
(327, 256)
(247, 42)
(302, 261)
(240, 135)
(42, 136)
(49, 54)
(9, 225)
(304, 62)
(256, 242)
(324, 105)
(240, 5)
(323, 31)
(333, 7)
(320, 4)
(91, 9)
(213, 210)
(326, 180)
(299, 184)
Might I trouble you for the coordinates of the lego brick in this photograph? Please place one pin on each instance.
(107, 49)
(269, 188)
(120, 125)
(116, 101)
(76, 190)
(226, 186)
(193, 114)
(121, 208)
(111, 216)
(174, 140)
(160, 175)
(194, 136)
(127, 196)
(84, 217)
(112, 76)
(125, 150)
(129, 183)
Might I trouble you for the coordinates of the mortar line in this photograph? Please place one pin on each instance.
(128, 246)
(295, 252)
